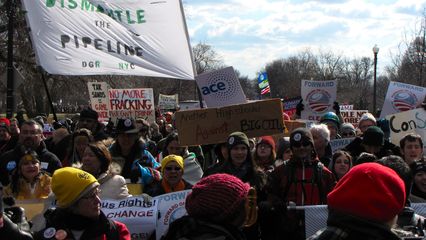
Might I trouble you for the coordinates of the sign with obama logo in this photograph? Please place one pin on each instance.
(100, 37)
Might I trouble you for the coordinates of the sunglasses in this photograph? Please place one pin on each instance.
(299, 144)
(172, 168)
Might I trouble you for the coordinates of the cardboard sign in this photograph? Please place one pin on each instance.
(132, 103)
(318, 98)
(213, 125)
(352, 116)
(338, 144)
(402, 97)
(168, 101)
(99, 99)
(104, 37)
(413, 121)
(221, 88)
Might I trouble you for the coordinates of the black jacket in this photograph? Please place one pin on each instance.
(10, 159)
(190, 228)
(355, 149)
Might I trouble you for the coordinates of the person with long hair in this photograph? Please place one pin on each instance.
(340, 164)
(80, 139)
(97, 160)
(264, 154)
(28, 180)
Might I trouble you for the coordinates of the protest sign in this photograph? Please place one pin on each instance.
(344, 107)
(132, 103)
(338, 144)
(103, 37)
(167, 101)
(413, 121)
(402, 97)
(352, 116)
(213, 125)
(318, 98)
(290, 104)
(139, 216)
(171, 206)
(220, 88)
(99, 99)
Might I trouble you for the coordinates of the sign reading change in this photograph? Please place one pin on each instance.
(99, 37)
(213, 125)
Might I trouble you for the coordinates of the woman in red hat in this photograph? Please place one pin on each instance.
(264, 154)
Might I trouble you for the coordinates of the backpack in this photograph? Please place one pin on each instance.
(317, 178)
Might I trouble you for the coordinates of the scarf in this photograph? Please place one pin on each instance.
(168, 189)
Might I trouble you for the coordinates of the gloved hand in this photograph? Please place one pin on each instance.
(299, 108)
(336, 108)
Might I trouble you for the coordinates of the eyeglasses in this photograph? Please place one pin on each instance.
(172, 168)
(92, 195)
(299, 144)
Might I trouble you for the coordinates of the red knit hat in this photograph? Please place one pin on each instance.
(216, 197)
(267, 140)
(370, 191)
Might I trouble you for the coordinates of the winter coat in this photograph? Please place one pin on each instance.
(355, 149)
(347, 227)
(189, 228)
(9, 161)
(112, 186)
(156, 189)
(62, 220)
(42, 188)
(292, 180)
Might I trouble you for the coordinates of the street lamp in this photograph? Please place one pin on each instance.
(375, 51)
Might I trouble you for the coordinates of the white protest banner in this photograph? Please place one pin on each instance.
(318, 98)
(352, 116)
(413, 121)
(402, 97)
(168, 101)
(171, 206)
(338, 144)
(99, 99)
(99, 37)
(132, 103)
(139, 216)
(221, 88)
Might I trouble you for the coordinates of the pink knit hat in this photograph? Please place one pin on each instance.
(216, 197)
(370, 191)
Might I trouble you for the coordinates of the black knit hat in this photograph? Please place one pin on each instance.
(236, 138)
(300, 135)
(373, 136)
(89, 113)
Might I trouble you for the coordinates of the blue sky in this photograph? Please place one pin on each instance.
(248, 34)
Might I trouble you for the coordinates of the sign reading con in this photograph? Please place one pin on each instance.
(213, 125)
(103, 37)
(132, 103)
(413, 121)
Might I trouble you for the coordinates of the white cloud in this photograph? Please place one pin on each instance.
(251, 33)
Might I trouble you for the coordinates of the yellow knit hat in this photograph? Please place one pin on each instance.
(171, 158)
(69, 184)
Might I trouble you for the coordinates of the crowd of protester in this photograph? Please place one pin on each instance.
(242, 188)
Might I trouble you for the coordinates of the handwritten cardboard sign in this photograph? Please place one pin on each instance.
(352, 116)
(403, 123)
(213, 125)
(99, 99)
(132, 103)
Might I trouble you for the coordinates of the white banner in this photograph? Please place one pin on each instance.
(132, 103)
(221, 88)
(318, 98)
(99, 99)
(338, 144)
(402, 97)
(413, 121)
(99, 37)
(139, 216)
(168, 101)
